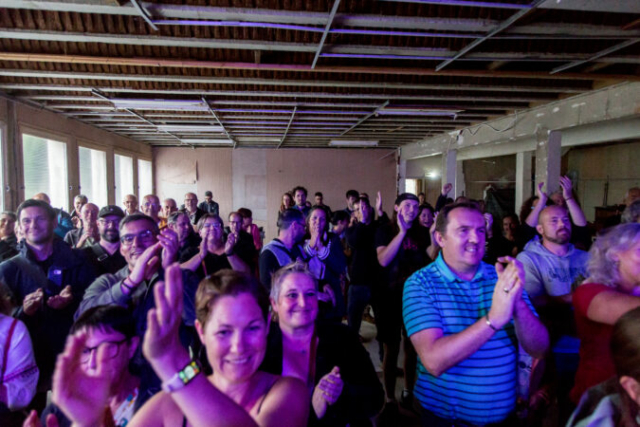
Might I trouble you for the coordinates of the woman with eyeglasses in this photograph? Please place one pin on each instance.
(109, 340)
(232, 323)
(214, 252)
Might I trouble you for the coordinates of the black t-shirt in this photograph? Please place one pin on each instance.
(102, 261)
(364, 268)
(212, 263)
(411, 256)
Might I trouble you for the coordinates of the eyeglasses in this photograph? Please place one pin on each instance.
(212, 224)
(148, 205)
(109, 222)
(146, 236)
(111, 350)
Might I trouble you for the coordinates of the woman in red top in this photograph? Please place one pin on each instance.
(611, 290)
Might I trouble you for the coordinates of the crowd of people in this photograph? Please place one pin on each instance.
(157, 314)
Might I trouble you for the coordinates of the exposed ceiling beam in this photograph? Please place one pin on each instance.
(177, 63)
(596, 56)
(215, 116)
(619, 6)
(283, 82)
(499, 28)
(332, 14)
(144, 14)
(311, 18)
(466, 3)
(521, 98)
(362, 120)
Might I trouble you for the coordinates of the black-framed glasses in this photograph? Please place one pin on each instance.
(146, 236)
(111, 350)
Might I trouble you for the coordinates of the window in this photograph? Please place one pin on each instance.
(2, 189)
(45, 169)
(124, 177)
(145, 178)
(93, 175)
(411, 186)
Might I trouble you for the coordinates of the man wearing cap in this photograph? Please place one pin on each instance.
(208, 205)
(105, 254)
(402, 249)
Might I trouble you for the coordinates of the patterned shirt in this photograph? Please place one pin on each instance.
(482, 388)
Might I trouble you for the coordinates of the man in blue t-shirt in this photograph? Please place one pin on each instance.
(463, 317)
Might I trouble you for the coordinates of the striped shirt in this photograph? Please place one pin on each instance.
(482, 388)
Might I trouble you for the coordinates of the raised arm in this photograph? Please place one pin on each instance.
(577, 216)
(532, 218)
(386, 254)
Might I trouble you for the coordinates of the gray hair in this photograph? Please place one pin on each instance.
(632, 212)
(602, 265)
(173, 218)
(281, 274)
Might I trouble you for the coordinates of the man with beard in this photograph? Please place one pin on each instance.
(552, 263)
(105, 255)
(188, 240)
(46, 282)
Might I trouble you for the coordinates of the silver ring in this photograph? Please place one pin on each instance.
(506, 290)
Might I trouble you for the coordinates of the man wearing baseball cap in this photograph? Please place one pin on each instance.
(105, 254)
(402, 249)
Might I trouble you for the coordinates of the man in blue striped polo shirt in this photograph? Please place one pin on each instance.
(464, 318)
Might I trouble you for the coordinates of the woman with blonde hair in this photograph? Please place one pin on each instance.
(611, 290)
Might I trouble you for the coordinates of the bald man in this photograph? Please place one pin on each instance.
(191, 208)
(88, 234)
(130, 203)
(151, 207)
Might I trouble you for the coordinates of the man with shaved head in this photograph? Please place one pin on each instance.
(151, 207)
(169, 206)
(88, 234)
(191, 208)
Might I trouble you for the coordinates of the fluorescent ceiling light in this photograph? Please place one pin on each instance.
(189, 128)
(207, 141)
(160, 104)
(352, 143)
(418, 111)
(257, 139)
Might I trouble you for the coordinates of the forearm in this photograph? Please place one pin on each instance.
(193, 263)
(576, 213)
(447, 351)
(531, 333)
(532, 218)
(237, 264)
(389, 252)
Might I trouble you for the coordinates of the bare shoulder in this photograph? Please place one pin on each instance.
(160, 410)
(286, 403)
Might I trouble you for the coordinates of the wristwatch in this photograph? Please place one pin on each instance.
(182, 377)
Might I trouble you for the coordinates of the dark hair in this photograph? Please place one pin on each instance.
(339, 216)
(318, 193)
(443, 217)
(421, 194)
(352, 193)
(10, 214)
(299, 188)
(324, 232)
(107, 318)
(33, 203)
(364, 199)
(426, 206)
(173, 217)
(139, 217)
(245, 213)
(288, 217)
(206, 216)
(625, 352)
(513, 216)
(228, 283)
(282, 206)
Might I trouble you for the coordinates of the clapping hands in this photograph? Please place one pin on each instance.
(327, 392)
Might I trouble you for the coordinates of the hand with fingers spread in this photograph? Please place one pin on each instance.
(146, 265)
(62, 300)
(507, 292)
(161, 345)
(327, 392)
(80, 393)
(567, 187)
(32, 302)
(168, 239)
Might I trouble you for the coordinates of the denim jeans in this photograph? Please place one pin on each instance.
(359, 297)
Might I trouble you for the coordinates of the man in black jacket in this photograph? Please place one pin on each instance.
(46, 282)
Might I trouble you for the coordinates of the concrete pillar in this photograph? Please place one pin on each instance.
(548, 158)
(459, 185)
(401, 175)
(523, 178)
(449, 170)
